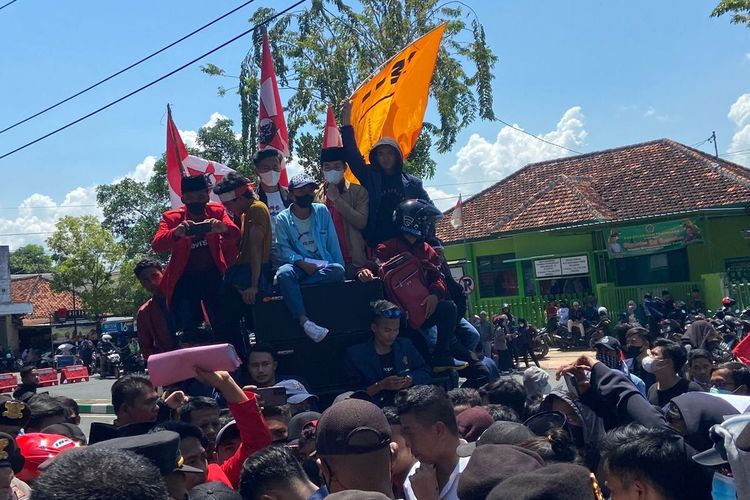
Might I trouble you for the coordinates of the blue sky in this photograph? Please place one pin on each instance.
(586, 74)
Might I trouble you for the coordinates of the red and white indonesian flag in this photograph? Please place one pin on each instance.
(457, 218)
(331, 134)
(181, 164)
(272, 132)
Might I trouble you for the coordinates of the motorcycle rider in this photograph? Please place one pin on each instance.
(105, 347)
(575, 320)
(526, 334)
(678, 313)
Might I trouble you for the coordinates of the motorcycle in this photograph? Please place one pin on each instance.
(110, 364)
(132, 362)
(540, 346)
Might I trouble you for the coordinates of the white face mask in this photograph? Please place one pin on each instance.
(270, 178)
(333, 176)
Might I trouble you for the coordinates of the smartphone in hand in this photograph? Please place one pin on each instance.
(272, 396)
(199, 228)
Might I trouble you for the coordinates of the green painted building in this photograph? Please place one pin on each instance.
(616, 224)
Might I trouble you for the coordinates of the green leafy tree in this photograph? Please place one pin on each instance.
(86, 256)
(740, 10)
(325, 52)
(30, 259)
(220, 143)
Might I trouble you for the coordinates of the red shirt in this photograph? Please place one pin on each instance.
(153, 331)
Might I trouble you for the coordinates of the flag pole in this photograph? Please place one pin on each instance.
(170, 124)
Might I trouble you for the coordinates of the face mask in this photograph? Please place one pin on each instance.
(196, 208)
(576, 433)
(716, 390)
(652, 365)
(333, 176)
(609, 360)
(723, 487)
(270, 178)
(304, 201)
(633, 351)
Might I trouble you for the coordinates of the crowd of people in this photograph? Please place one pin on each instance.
(647, 417)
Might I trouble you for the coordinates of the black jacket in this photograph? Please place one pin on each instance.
(262, 196)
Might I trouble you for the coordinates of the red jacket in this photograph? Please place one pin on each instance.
(254, 435)
(425, 253)
(165, 241)
(153, 332)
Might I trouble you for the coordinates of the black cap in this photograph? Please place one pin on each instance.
(352, 427)
(558, 481)
(543, 421)
(162, 448)
(299, 421)
(14, 413)
(198, 182)
(498, 433)
(352, 395)
(493, 464)
(213, 490)
(610, 343)
(333, 154)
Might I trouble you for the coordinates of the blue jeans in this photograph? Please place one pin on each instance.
(291, 277)
(467, 335)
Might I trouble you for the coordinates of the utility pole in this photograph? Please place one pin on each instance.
(716, 147)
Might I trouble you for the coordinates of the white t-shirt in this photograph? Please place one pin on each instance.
(449, 491)
(304, 226)
(275, 203)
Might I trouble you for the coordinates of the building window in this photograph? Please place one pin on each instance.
(496, 278)
(668, 267)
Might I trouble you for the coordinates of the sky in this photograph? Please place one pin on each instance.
(587, 75)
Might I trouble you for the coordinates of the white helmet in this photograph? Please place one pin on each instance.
(106, 338)
(602, 310)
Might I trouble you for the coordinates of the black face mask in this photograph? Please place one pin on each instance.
(197, 208)
(576, 433)
(304, 201)
(633, 352)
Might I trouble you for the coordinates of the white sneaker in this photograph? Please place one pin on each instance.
(315, 332)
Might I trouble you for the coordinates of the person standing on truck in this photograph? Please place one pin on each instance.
(154, 325)
(348, 205)
(307, 244)
(195, 235)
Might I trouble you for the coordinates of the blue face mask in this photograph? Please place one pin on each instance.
(723, 487)
(716, 390)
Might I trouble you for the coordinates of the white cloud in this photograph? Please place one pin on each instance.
(190, 138)
(483, 163)
(442, 199)
(739, 113)
(747, 56)
(649, 112)
(142, 172)
(293, 168)
(215, 117)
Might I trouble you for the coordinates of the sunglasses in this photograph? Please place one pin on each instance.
(391, 313)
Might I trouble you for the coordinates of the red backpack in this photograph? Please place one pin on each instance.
(404, 283)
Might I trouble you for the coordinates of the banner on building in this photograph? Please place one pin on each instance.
(656, 237)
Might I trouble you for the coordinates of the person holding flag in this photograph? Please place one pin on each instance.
(348, 203)
(195, 234)
(384, 179)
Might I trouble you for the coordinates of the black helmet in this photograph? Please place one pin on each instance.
(416, 216)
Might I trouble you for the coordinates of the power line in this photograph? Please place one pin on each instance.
(11, 1)
(535, 137)
(124, 69)
(154, 82)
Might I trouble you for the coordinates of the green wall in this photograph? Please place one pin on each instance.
(722, 235)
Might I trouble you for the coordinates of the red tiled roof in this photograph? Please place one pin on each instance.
(38, 291)
(643, 180)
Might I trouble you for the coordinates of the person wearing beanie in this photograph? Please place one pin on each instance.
(494, 464)
(349, 207)
(558, 481)
(473, 422)
(195, 235)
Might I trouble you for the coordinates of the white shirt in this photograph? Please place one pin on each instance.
(304, 226)
(449, 491)
(275, 203)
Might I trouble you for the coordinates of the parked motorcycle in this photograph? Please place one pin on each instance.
(540, 346)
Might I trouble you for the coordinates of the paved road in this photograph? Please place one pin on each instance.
(96, 390)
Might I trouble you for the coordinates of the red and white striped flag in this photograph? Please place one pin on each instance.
(272, 132)
(331, 134)
(457, 218)
(180, 164)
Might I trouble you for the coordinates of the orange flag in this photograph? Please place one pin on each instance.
(393, 102)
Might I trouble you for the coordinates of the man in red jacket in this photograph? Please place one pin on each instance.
(195, 234)
(155, 330)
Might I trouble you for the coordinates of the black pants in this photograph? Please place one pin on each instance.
(523, 350)
(444, 318)
(192, 291)
(234, 320)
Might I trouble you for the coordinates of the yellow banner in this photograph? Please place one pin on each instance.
(393, 102)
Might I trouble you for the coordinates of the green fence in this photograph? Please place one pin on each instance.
(615, 298)
(740, 292)
(530, 308)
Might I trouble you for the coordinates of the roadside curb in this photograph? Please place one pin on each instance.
(96, 408)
